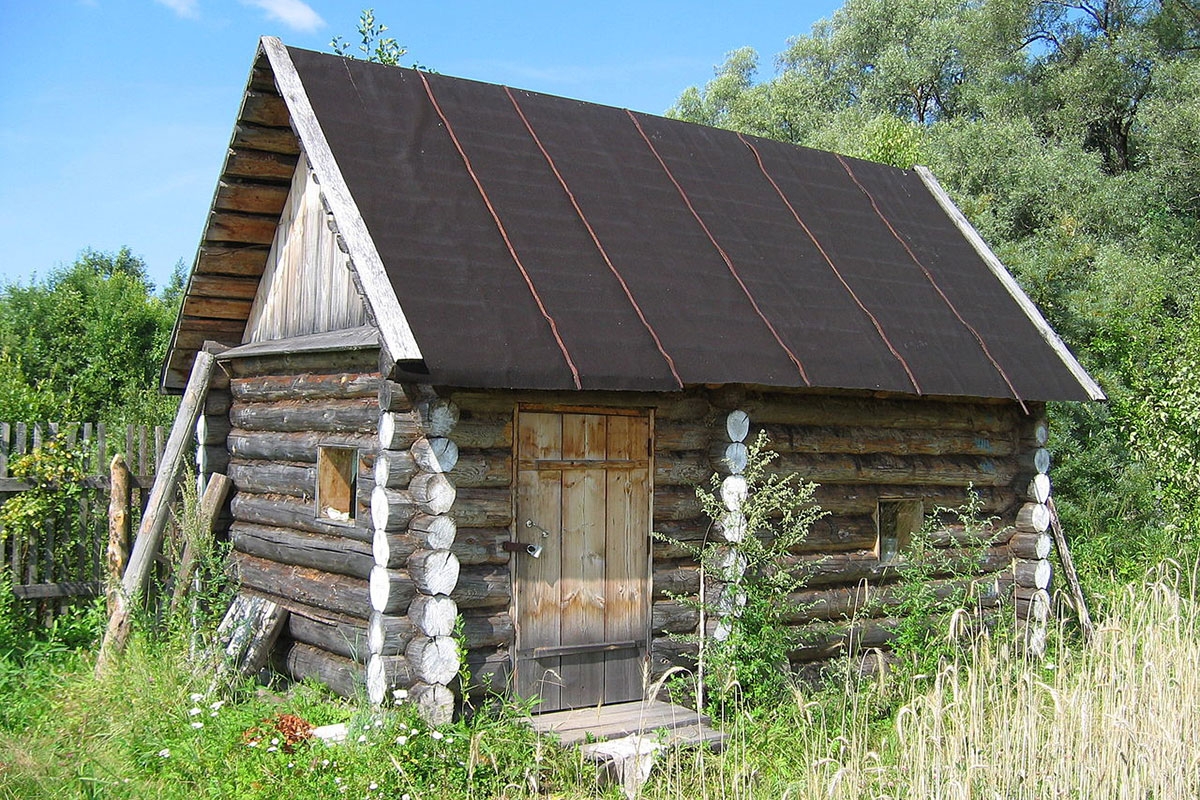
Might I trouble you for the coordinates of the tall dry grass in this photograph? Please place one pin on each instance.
(1117, 719)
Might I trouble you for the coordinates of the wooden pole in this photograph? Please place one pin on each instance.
(1064, 555)
(118, 527)
(210, 507)
(154, 520)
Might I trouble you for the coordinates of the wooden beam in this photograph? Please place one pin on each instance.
(264, 108)
(251, 198)
(230, 226)
(226, 286)
(232, 259)
(261, 137)
(216, 308)
(259, 165)
(154, 518)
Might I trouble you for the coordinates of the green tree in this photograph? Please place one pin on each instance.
(1069, 133)
(85, 343)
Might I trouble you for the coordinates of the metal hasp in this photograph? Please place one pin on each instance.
(534, 550)
(531, 524)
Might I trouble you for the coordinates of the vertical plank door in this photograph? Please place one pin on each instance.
(582, 607)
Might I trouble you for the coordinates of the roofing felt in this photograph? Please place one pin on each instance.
(539, 242)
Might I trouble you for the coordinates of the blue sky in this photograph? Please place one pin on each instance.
(115, 114)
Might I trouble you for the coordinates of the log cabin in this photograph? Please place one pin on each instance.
(478, 343)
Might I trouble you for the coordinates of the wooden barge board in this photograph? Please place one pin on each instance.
(683, 726)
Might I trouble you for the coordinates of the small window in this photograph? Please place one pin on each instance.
(896, 522)
(337, 483)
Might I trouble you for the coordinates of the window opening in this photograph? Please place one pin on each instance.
(896, 522)
(337, 483)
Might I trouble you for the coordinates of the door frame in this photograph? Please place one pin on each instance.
(514, 527)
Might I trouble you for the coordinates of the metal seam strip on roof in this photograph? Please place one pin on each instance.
(982, 344)
(725, 256)
(825, 255)
(595, 239)
(503, 233)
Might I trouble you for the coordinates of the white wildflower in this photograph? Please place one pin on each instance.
(362, 738)
(216, 705)
(272, 749)
(373, 786)
(400, 694)
(194, 711)
(196, 697)
(197, 725)
(401, 740)
(436, 734)
(164, 753)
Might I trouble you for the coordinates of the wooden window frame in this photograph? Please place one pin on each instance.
(337, 483)
(911, 509)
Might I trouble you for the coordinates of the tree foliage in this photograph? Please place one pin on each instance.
(1069, 133)
(86, 343)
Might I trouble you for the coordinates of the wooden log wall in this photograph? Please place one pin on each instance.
(859, 449)
(265, 429)
(435, 506)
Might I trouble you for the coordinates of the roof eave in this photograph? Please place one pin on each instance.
(1006, 279)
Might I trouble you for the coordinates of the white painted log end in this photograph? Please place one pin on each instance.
(438, 416)
(1034, 517)
(432, 492)
(434, 660)
(434, 532)
(734, 491)
(737, 426)
(1039, 488)
(377, 689)
(436, 454)
(433, 615)
(1041, 460)
(1041, 433)
(434, 702)
(434, 572)
(732, 526)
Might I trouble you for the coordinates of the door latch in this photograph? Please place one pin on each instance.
(533, 550)
(531, 524)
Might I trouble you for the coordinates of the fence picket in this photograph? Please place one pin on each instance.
(64, 557)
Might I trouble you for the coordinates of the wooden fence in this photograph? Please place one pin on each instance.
(64, 558)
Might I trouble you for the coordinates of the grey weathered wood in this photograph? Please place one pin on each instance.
(322, 590)
(355, 415)
(248, 632)
(299, 446)
(282, 511)
(1064, 556)
(334, 554)
(433, 660)
(433, 615)
(1033, 574)
(394, 331)
(303, 661)
(436, 454)
(391, 509)
(482, 587)
(433, 572)
(119, 528)
(394, 469)
(154, 520)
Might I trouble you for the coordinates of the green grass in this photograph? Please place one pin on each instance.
(1117, 719)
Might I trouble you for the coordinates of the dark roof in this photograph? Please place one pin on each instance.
(538, 242)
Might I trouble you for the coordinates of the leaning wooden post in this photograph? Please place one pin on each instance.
(154, 520)
(117, 554)
(1068, 563)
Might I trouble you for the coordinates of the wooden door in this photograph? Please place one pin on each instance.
(582, 607)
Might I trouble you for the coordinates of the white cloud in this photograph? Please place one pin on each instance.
(296, 14)
(184, 8)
